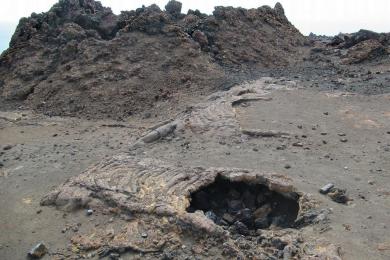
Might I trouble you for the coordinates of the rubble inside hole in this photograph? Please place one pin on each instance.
(242, 207)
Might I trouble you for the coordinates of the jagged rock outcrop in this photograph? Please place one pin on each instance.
(362, 46)
(174, 8)
(350, 40)
(81, 59)
(365, 51)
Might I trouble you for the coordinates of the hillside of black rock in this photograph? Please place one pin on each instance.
(79, 58)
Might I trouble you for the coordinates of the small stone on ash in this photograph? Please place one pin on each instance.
(326, 188)
(298, 144)
(38, 251)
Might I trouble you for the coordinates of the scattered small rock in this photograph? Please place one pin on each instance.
(347, 227)
(363, 197)
(114, 256)
(228, 218)
(262, 223)
(313, 216)
(89, 212)
(245, 216)
(298, 144)
(278, 243)
(241, 228)
(211, 215)
(326, 188)
(338, 195)
(197, 249)
(344, 140)
(38, 251)
(7, 147)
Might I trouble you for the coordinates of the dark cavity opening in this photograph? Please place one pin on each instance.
(243, 207)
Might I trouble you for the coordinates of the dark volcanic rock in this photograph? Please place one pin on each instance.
(349, 40)
(244, 207)
(261, 223)
(174, 8)
(241, 228)
(338, 195)
(81, 59)
(356, 63)
(362, 46)
(38, 251)
(365, 51)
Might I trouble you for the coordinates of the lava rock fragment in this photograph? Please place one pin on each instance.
(38, 251)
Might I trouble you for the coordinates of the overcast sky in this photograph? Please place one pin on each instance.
(319, 16)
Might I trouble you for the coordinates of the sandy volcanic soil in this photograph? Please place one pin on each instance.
(335, 137)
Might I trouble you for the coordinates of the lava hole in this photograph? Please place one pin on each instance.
(243, 207)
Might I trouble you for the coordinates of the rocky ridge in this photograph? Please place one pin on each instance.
(81, 59)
